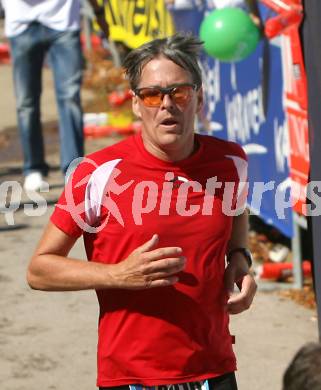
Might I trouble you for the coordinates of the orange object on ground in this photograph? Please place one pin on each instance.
(117, 98)
(103, 131)
(94, 39)
(276, 271)
(96, 131)
(4, 53)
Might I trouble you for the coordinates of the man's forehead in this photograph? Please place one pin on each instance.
(159, 68)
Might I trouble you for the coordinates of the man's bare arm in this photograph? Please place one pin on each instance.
(50, 269)
(237, 270)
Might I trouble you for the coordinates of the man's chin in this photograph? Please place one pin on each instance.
(170, 138)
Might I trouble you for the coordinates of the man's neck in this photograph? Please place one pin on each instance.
(172, 152)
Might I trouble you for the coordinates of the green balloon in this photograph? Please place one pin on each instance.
(229, 34)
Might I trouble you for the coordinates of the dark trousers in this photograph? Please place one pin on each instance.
(223, 382)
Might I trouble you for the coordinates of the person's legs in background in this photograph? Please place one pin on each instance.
(28, 52)
(65, 57)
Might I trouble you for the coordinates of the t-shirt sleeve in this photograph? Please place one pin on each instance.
(69, 214)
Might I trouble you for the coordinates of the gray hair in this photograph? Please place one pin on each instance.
(184, 50)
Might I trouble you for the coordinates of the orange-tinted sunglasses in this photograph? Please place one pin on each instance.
(153, 96)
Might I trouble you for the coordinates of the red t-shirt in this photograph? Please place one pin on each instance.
(118, 198)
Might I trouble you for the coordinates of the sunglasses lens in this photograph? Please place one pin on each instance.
(151, 97)
(181, 95)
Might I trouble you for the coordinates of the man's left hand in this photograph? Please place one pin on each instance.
(237, 272)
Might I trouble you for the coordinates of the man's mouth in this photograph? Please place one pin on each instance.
(169, 122)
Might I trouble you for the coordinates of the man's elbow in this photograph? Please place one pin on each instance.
(34, 279)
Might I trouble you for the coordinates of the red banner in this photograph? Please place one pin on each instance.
(287, 22)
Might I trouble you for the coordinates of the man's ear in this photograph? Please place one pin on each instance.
(200, 99)
(136, 107)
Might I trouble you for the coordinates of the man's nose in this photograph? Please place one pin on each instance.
(167, 101)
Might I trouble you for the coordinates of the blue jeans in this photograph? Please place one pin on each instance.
(28, 52)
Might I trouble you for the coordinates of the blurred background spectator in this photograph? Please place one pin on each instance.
(1, 10)
(37, 29)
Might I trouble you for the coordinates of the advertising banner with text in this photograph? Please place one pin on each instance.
(136, 22)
